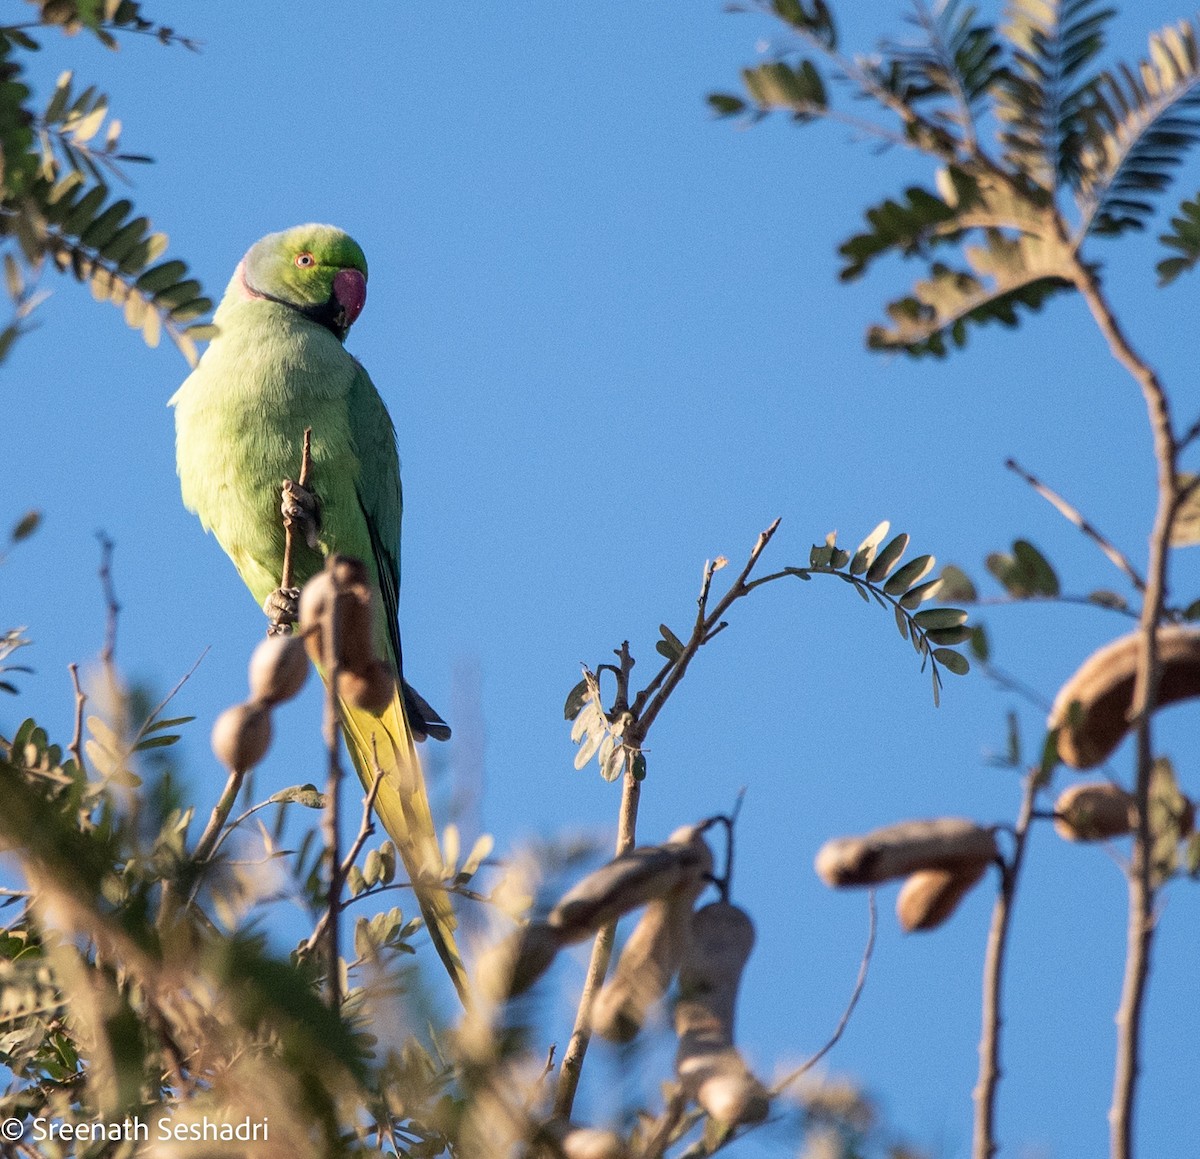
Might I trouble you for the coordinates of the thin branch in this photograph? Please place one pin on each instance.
(220, 814)
(1117, 557)
(1142, 888)
(664, 1132)
(581, 1034)
(844, 1021)
(112, 608)
(289, 535)
(365, 829)
(332, 728)
(984, 1144)
(706, 623)
(75, 748)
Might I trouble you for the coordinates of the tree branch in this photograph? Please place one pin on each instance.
(984, 1144)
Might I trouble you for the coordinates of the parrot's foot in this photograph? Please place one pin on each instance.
(300, 512)
(282, 607)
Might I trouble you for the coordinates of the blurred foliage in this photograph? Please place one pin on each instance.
(57, 161)
(1037, 149)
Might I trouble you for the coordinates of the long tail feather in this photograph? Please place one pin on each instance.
(403, 806)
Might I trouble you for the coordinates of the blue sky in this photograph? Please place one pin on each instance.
(610, 333)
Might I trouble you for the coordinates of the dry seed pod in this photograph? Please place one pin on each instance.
(930, 896)
(349, 578)
(241, 736)
(514, 964)
(372, 690)
(1103, 690)
(652, 954)
(898, 850)
(708, 1064)
(623, 884)
(278, 669)
(584, 1142)
(1094, 812)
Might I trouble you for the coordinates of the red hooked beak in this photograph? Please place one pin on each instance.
(350, 292)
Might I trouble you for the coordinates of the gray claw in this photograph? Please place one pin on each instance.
(282, 608)
(300, 511)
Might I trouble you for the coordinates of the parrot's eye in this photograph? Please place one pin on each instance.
(305, 260)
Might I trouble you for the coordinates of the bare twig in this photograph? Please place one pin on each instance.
(844, 1021)
(332, 729)
(664, 1132)
(1142, 889)
(365, 829)
(216, 822)
(649, 702)
(76, 746)
(984, 1144)
(112, 608)
(1117, 557)
(289, 535)
(572, 1062)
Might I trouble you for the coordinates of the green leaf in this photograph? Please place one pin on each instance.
(912, 572)
(864, 555)
(916, 596)
(797, 89)
(1183, 237)
(156, 742)
(952, 661)
(26, 526)
(1025, 574)
(959, 635)
(670, 646)
(957, 585)
(980, 646)
(726, 105)
(575, 700)
(940, 618)
(173, 722)
(887, 558)
(307, 795)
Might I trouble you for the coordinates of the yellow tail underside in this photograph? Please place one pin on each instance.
(385, 743)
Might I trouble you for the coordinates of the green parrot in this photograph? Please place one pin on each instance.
(276, 367)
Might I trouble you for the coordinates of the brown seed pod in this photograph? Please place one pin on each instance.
(514, 964)
(583, 1142)
(372, 690)
(708, 1064)
(625, 883)
(241, 736)
(1094, 812)
(898, 850)
(349, 578)
(278, 669)
(930, 896)
(1103, 691)
(652, 954)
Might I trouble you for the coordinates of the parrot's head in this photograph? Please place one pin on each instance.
(315, 269)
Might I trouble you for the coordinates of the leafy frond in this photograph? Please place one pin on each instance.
(1184, 237)
(910, 226)
(798, 89)
(1005, 274)
(55, 206)
(104, 19)
(958, 59)
(96, 240)
(1142, 122)
(1043, 101)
